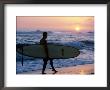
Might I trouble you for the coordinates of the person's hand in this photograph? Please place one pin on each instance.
(47, 56)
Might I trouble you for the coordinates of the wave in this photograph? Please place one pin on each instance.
(78, 44)
(87, 42)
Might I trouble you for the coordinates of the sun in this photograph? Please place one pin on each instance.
(77, 28)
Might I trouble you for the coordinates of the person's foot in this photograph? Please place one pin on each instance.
(54, 71)
(43, 73)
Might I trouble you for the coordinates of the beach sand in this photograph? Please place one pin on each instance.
(79, 69)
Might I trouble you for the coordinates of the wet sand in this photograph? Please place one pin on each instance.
(86, 69)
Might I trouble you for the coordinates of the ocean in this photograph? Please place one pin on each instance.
(82, 40)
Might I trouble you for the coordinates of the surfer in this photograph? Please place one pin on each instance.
(43, 42)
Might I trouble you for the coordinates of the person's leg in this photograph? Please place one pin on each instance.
(51, 63)
(44, 65)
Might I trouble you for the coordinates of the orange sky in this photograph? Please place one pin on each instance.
(72, 23)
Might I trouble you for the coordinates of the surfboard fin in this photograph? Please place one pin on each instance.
(62, 52)
(22, 55)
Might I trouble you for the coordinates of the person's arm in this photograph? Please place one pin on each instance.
(46, 49)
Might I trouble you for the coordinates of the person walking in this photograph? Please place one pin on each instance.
(43, 42)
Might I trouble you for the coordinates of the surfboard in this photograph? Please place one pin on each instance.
(55, 51)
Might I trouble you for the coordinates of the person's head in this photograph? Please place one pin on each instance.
(45, 35)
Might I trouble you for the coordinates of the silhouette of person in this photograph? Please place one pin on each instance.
(43, 42)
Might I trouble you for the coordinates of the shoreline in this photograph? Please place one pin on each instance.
(87, 69)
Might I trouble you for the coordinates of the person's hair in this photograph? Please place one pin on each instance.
(44, 33)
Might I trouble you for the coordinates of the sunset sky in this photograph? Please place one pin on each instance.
(73, 23)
